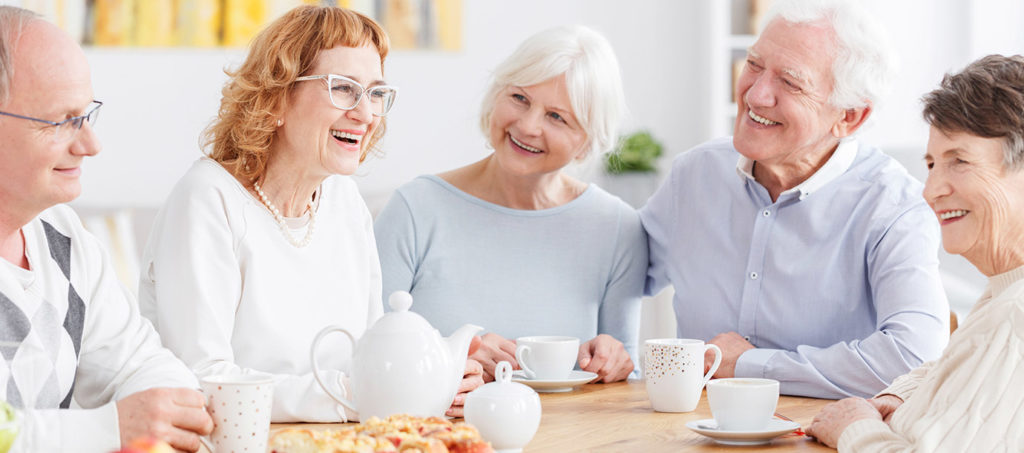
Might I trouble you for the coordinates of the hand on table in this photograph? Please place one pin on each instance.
(886, 405)
(175, 415)
(473, 378)
(494, 349)
(733, 345)
(607, 357)
(829, 424)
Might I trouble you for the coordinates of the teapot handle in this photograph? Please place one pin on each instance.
(316, 369)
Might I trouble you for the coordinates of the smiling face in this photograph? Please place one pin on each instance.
(533, 129)
(51, 82)
(783, 114)
(979, 203)
(318, 137)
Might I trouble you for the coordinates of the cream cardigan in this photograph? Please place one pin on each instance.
(972, 398)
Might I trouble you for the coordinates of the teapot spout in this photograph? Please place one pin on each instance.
(459, 344)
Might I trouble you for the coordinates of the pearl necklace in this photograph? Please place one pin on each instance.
(284, 226)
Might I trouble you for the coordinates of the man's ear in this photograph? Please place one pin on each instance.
(850, 121)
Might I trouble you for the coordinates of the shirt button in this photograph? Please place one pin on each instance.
(766, 213)
(753, 275)
(747, 338)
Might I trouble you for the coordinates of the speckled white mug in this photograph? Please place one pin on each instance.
(674, 372)
(240, 406)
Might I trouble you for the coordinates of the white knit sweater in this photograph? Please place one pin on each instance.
(73, 342)
(972, 398)
(229, 294)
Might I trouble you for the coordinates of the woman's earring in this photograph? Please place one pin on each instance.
(280, 122)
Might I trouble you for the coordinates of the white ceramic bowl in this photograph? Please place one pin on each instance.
(506, 413)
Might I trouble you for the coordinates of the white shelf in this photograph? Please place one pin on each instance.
(735, 44)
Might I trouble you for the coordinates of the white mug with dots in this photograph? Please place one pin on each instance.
(674, 372)
(240, 406)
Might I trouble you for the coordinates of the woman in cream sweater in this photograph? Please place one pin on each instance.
(971, 399)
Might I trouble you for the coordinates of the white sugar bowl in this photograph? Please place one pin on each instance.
(506, 413)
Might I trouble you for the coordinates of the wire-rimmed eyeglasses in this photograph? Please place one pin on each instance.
(64, 131)
(346, 93)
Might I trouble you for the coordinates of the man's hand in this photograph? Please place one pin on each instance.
(471, 379)
(829, 424)
(492, 350)
(886, 405)
(607, 357)
(175, 415)
(733, 345)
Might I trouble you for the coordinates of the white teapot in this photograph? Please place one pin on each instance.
(401, 365)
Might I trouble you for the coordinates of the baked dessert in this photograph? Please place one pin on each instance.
(397, 433)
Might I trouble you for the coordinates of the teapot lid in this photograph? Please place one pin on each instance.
(400, 319)
(502, 387)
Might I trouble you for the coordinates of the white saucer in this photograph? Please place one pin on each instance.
(775, 428)
(575, 378)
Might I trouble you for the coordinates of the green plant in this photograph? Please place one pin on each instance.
(636, 153)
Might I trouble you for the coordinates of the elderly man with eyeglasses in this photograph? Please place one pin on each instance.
(82, 367)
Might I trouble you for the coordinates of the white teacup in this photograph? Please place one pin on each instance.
(674, 372)
(743, 404)
(240, 406)
(547, 358)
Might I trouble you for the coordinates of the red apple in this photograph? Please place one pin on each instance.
(146, 445)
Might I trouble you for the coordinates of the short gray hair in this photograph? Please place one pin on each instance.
(864, 63)
(986, 99)
(12, 23)
(591, 77)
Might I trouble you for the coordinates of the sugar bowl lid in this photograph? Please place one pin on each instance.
(503, 387)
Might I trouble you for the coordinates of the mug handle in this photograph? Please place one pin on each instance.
(714, 366)
(316, 369)
(522, 351)
(205, 440)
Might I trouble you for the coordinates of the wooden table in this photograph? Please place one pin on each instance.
(618, 418)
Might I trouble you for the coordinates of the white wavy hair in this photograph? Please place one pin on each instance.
(865, 63)
(591, 77)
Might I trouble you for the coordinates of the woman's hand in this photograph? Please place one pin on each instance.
(473, 378)
(829, 424)
(607, 357)
(886, 405)
(494, 349)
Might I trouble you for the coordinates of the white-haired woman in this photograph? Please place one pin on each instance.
(512, 242)
(971, 398)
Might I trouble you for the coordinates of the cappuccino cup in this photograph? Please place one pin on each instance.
(547, 358)
(743, 404)
(674, 372)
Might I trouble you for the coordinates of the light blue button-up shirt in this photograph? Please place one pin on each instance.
(836, 282)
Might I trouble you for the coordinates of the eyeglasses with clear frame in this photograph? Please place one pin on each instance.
(347, 93)
(64, 131)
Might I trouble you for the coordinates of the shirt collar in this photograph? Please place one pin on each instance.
(836, 165)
